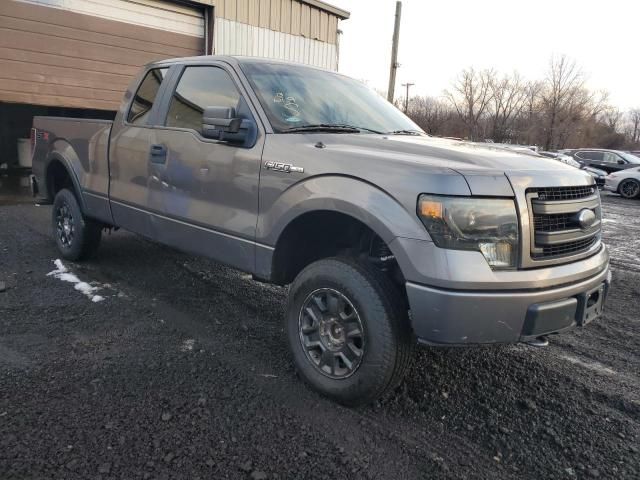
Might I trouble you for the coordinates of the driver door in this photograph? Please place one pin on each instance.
(209, 188)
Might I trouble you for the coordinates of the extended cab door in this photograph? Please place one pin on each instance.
(135, 183)
(209, 188)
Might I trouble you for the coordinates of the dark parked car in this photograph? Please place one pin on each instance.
(607, 160)
(597, 174)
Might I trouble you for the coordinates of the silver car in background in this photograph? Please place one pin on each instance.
(561, 157)
(625, 182)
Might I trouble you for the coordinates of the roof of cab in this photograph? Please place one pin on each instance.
(231, 59)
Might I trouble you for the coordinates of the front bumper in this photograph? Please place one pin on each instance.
(611, 184)
(441, 316)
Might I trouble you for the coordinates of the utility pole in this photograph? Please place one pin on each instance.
(406, 99)
(394, 54)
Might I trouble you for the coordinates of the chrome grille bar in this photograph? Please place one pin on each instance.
(558, 233)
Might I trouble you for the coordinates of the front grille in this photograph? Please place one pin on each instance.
(553, 223)
(565, 193)
(556, 229)
(565, 249)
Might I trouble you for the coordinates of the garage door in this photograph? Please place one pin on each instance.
(83, 53)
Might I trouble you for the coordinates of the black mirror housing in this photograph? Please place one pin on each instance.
(221, 123)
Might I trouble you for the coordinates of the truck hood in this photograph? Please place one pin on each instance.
(487, 169)
(455, 154)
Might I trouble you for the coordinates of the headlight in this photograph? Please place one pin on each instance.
(487, 225)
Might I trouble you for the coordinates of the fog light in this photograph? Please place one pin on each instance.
(498, 255)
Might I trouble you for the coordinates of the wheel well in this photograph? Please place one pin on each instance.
(58, 177)
(323, 234)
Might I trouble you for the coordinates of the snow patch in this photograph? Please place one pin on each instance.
(595, 366)
(62, 273)
(187, 345)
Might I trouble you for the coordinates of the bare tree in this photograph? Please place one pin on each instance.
(508, 99)
(612, 117)
(563, 83)
(634, 120)
(557, 112)
(470, 96)
(431, 114)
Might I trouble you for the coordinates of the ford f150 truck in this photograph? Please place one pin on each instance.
(387, 237)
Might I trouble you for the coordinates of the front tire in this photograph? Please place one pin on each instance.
(77, 237)
(348, 330)
(629, 188)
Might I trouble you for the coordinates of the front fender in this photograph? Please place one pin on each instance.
(351, 196)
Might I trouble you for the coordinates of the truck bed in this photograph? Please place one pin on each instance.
(81, 144)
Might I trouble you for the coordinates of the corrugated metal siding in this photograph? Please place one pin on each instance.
(286, 16)
(233, 38)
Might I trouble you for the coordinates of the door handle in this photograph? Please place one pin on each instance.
(158, 154)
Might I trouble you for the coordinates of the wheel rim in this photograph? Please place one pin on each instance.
(331, 333)
(65, 226)
(630, 188)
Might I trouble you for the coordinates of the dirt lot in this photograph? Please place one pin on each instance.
(182, 371)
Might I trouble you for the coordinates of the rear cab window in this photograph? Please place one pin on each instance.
(145, 96)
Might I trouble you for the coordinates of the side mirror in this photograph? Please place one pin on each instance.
(621, 162)
(221, 123)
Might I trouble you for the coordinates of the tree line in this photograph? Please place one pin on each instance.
(559, 111)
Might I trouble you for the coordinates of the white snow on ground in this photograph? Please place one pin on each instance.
(187, 345)
(595, 366)
(62, 273)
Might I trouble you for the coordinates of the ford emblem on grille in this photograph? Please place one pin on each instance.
(586, 218)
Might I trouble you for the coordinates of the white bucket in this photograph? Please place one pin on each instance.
(24, 152)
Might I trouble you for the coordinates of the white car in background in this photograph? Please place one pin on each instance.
(625, 182)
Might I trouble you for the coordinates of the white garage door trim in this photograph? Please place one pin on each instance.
(147, 13)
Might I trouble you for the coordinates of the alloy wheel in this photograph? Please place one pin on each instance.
(331, 333)
(65, 226)
(630, 189)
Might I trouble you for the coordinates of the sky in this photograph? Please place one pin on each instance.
(439, 38)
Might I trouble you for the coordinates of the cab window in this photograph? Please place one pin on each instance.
(145, 96)
(597, 156)
(200, 87)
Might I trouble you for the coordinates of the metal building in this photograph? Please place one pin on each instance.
(76, 57)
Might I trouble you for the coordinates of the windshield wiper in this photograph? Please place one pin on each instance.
(329, 127)
(405, 132)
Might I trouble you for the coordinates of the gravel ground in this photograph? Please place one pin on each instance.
(182, 371)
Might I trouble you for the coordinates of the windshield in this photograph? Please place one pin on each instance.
(630, 158)
(297, 96)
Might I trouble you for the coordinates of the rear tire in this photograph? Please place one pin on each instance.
(348, 330)
(77, 237)
(629, 188)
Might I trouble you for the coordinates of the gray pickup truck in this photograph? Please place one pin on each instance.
(387, 237)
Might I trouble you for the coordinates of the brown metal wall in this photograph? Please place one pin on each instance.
(55, 57)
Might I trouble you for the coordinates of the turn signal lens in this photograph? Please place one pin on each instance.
(430, 208)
